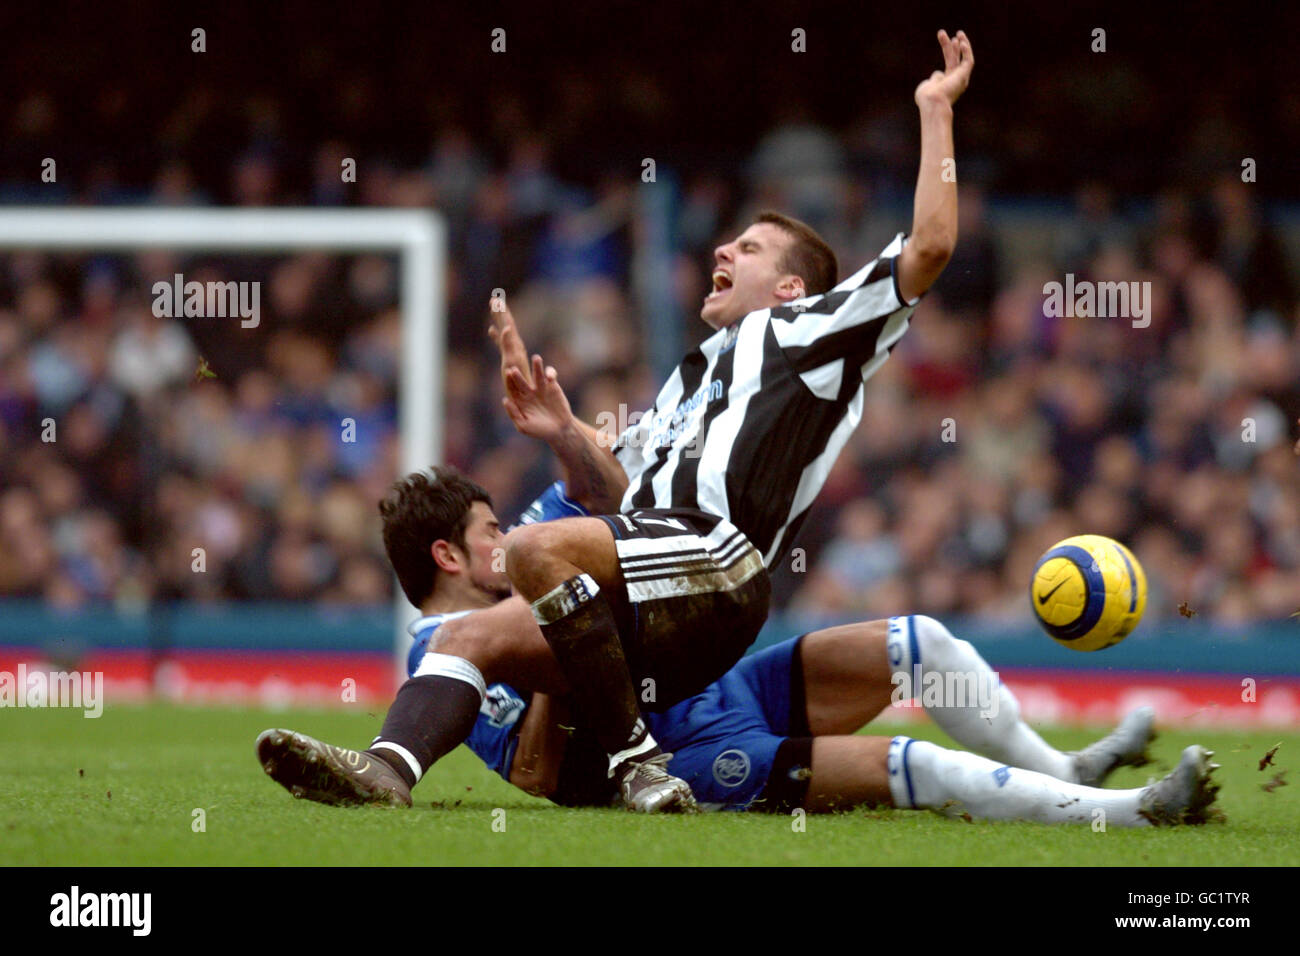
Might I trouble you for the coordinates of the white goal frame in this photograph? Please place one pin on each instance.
(418, 235)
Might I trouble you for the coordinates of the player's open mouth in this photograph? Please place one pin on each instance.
(721, 283)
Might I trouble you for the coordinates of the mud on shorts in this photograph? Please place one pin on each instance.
(697, 596)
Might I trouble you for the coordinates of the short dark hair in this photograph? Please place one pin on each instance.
(809, 256)
(419, 510)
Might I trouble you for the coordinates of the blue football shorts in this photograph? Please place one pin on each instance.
(744, 743)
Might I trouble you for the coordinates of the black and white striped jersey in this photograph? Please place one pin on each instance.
(750, 423)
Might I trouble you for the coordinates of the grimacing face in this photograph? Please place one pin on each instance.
(747, 276)
(483, 544)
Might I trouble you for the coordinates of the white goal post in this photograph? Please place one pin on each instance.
(418, 235)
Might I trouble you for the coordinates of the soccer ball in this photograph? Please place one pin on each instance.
(1088, 592)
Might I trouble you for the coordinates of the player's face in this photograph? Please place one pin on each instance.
(747, 276)
(484, 545)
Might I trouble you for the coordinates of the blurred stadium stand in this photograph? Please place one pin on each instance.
(1062, 425)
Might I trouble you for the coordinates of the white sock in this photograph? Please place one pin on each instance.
(964, 696)
(923, 775)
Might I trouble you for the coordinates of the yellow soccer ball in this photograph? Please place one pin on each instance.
(1088, 592)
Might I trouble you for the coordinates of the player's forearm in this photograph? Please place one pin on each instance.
(540, 751)
(601, 439)
(934, 212)
(592, 474)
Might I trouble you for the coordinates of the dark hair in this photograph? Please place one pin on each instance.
(809, 257)
(419, 510)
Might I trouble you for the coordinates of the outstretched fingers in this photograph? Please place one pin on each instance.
(951, 51)
(505, 335)
(966, 56)
(957, 52)
(517, 386)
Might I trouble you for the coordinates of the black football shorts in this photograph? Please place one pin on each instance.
(696, 596)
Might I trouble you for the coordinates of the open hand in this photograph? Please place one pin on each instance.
(505, 334)
(946, 85)
(537, 405)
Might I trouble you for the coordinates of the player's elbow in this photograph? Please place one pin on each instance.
(540, 783)
(922, 262)
(933, 250)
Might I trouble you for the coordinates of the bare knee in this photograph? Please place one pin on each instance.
(521, 544)
(533, 557)
(540, 556)
(496, 641)
(463, 637)
(457, 638)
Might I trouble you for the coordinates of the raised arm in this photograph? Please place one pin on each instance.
(539, 408)
(934, 212)
(594, 477)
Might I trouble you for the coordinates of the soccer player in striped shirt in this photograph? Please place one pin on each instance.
(667, 589)
(662, 592)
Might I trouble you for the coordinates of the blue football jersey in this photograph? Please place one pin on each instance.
(496, 730)
(551, 504)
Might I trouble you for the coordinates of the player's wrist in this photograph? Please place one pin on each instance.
(935, 105)
(569, 438)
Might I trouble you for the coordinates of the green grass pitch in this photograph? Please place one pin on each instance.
(123, 790)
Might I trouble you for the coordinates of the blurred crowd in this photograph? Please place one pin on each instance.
(127, 440)
(146, 458)
(1176, 438)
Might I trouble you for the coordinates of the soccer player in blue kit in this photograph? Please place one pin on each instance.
(778, 731)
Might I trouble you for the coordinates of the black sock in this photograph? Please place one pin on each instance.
(430, 716)
(582, 633)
